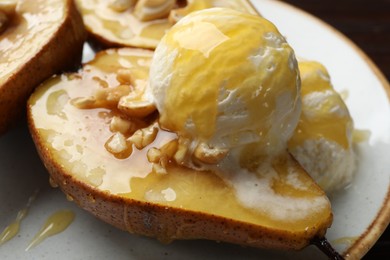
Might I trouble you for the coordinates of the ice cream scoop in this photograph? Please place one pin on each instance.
(223, 79)
(322, 141)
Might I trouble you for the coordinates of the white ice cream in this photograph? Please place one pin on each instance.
(322, 142)
(223, 85)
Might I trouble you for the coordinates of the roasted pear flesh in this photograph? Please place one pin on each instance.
(92, 150)
(38, 38)
(113, 23)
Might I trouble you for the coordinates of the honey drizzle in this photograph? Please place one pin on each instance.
(13, 229)
(345, 240)
(360, 135)
(55, 224)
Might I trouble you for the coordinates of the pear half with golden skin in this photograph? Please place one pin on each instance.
(119, 166)
(142, 23)
(38, 38)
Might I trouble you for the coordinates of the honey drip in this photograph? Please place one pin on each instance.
(345, 240)
(13, 229)
(55, 224)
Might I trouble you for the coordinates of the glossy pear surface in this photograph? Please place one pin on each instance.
(39, 39)
(74, 132)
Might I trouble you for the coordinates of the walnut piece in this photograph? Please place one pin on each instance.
(120, 125)
(147, 10)
(209, 155)
(134, 107)
(145, 136)
(121, 5)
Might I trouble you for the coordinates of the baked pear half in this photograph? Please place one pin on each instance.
(118, 165)
(141, 23)
(37, 39)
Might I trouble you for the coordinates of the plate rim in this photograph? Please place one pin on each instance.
(378, 225)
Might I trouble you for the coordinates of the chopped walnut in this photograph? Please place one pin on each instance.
(164, 160)
(121, 125)
(112, 95)
(154, 155)
(159, 169)
(161, 157)
(118, 145)
(145, 136)
(103, 97)
(182, 151)
(121, 5)
(124, 76)
(147, 10)
(136, 107)
(208, 155)
(169, 149)
(135, 103)
(135, 76)
(159, 160)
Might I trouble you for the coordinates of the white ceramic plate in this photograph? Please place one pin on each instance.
(361, 212)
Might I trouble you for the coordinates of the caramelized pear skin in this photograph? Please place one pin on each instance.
(71, 127)
(31, 54)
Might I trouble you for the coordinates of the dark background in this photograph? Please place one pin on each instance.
(367, 23)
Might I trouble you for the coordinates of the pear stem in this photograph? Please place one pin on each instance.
(323, 244)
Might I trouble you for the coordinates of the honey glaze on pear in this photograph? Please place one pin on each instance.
(88, 143)
(30, 51)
